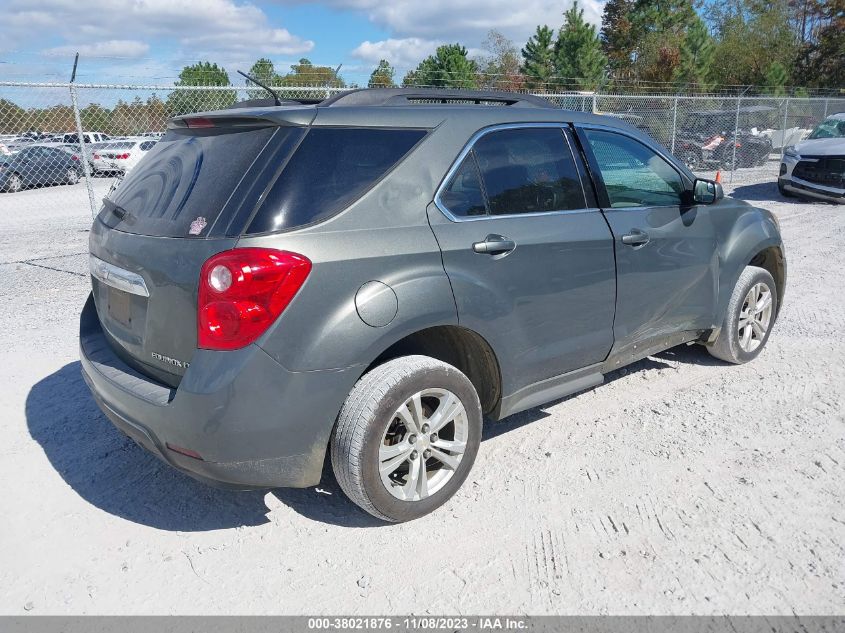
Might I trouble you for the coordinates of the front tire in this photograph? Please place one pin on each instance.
(72, 177)
(749, 319)
(406, 437)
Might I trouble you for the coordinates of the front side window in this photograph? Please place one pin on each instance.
(634, 175)
(528, 170)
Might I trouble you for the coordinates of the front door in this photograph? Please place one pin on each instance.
(530, 260)
(666, 255)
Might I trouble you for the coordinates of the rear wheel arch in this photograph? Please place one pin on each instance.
(458, 346)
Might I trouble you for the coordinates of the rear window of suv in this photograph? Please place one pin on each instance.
(191, 180)
(184, 181)
(330, 169)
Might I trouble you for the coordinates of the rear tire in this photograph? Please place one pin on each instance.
(406, 437)
(72, 177)
(749, 318)
(783, 191)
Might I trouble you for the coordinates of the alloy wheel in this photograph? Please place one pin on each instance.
(15, 183)
(755, 317)
(423, 444)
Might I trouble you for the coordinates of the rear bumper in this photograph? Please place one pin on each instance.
(254, 423)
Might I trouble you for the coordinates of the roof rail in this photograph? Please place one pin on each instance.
(424, 96)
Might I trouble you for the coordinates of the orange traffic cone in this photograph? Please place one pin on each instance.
(719, 176)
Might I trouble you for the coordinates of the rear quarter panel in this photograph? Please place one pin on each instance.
(384, 236)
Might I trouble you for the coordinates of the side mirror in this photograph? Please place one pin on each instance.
(706, 191)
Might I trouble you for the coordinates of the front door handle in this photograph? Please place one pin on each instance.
(494, 245)
(636, 238)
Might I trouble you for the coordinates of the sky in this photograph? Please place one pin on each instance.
(149, 41)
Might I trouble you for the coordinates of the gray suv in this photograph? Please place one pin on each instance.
(364, 279)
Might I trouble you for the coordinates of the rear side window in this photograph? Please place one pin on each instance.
(464, 196)
(330, 169)
(528, 170)
(185, 182)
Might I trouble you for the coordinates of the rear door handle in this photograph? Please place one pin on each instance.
(636, 238)
(494, 245)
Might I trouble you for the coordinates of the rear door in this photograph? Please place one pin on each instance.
(528, 254)
(666, 254)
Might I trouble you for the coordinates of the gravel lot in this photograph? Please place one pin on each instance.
(681, 486)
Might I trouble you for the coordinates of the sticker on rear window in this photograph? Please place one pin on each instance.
(197, 226)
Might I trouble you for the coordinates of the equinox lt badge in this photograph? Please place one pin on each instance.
(170, 361)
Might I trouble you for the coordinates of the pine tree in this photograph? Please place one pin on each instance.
(696, 57)
(578, 55)
(538, 57)
(776, 79)
(659, 28)
(382, 76)
(449, 67)
(617, 35)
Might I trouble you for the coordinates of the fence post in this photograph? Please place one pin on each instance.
(783, 135)
(736, 134)
(595, 107)
(674, 123)
(825, 109)
(78, 118)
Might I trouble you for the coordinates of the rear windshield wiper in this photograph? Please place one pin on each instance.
(116, 209)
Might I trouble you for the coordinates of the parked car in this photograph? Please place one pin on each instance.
(72, 138)
(708, 138)
(16, 144)
(816, 167)
(38, 165)
(120, 156)
(364, 279)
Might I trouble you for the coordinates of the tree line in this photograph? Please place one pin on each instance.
(645, 45)
(681, 46)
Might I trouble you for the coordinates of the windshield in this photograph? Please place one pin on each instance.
(829, 128)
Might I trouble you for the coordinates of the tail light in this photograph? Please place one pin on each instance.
(74, 157)
(122, 156)
(96, 157)
(243, 291)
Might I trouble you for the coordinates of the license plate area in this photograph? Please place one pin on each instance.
(120, 306)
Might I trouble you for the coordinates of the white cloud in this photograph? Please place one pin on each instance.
(464, 20)
(400, 52)
(204, 27)
(106, 48)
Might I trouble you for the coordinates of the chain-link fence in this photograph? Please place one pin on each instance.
(66, 144)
